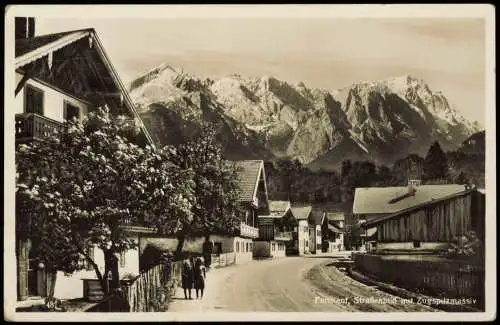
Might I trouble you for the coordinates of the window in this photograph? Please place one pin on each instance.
(237, 247)
(247, 247)
(71, 111)
(416, 244)
(33, 100)
(122, 259)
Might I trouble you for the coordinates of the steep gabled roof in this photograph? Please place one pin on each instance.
(318, 217)
(28, 50)
(301, 213)
(380, 200)
(249, 173)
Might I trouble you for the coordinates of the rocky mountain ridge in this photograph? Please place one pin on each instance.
(267, 118)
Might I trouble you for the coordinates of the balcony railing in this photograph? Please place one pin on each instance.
(33, 126)
(283, 235)
(248, 231)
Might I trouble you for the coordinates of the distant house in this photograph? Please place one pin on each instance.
(335, 226)
(60, 77)
(300, 243)
(378, 202)
(274, 231)
(431, 225)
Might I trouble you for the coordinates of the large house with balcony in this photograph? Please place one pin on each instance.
(60, 77)
(274, 232)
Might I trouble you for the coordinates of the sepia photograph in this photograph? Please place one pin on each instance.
(249, 162)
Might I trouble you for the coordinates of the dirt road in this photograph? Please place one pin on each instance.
(291, 284)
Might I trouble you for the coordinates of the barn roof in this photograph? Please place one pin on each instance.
(94, 67)
(378, 220)
(301, 213)
(249, 173)
(375, 200)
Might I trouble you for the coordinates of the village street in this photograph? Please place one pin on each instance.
(291, 284)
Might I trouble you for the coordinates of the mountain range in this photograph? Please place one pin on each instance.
(267, 118)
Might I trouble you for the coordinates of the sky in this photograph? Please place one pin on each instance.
(329, 53)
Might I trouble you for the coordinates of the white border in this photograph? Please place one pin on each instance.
(250, 11)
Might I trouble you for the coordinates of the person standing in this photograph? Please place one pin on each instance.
(199, 277)
(187, 278)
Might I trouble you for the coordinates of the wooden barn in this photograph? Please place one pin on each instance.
(432, 225)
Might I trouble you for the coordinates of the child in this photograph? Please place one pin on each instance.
(199, 277)
(187, 278)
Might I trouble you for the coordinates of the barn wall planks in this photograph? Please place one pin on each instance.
(438, 222)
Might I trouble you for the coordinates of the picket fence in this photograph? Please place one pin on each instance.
(149, 287)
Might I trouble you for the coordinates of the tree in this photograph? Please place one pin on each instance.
(462, 178)
(435, 163)
(410, 167)
(87, 184)
(216, 187)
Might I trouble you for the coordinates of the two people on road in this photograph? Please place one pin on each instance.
(193, 275)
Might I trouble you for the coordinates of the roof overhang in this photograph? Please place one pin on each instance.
(49, 63)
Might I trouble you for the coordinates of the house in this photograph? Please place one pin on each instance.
(237, 247)
(431, 225)
(335, 227)
(315, 221)
(300, 242)
(378, 202)
(274, 232)
(59, 77)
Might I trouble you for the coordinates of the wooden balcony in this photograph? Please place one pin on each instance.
(31, 126)
(283, 235)
(248, 231)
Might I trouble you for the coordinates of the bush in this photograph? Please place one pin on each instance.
(468, 245)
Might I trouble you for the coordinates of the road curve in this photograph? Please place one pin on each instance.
(291, 284)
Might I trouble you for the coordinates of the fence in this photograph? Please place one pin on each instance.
(433, 276)
(147, 292)
(222, 260)
(148, 289)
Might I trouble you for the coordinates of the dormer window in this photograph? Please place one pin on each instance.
(33, 100)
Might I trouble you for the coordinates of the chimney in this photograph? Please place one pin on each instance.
(412, 185)
(24, 27)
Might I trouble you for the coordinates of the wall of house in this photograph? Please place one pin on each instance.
(303, 237)
(424, 246)
(53, 106)
(440, 222)
(273, 249)
(71, 286)
(242, 247)
(278, 250)
(312, 238)
(318, 238)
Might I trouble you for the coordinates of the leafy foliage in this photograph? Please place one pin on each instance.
(468, 245)
(86, 184)
(216, 186)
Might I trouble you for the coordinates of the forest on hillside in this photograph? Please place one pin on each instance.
(290, 180)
